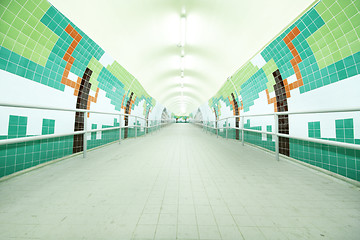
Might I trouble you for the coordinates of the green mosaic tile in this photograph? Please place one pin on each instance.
(96, 67)
(30, 6)
(269, 68)
(44, 5)
(336, 32)
(5, 3)
(35, 31)
(13, 6)
(17, 157)
(243, 74)
(335, 8)
(24, 15)
(48, 126)
(120, 73)
(350, 10)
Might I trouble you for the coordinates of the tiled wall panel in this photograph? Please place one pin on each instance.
(314, 64)
(46, 60)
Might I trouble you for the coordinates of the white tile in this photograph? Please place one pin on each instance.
(187, 232)
(252, 233)
(144, 232)
(273, 233)
(224, 220)
(244, 221)
(209, 232)
(187, 219)
(149, 218)
(205, 219)
(230, 233)
(165, 232)
(168, 218)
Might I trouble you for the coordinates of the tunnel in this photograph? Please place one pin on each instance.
(183, 120)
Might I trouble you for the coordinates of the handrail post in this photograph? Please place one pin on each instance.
(217, 128)
(242, 130)
(276, 125)
(119, 128)
(226, 135)
(135, 127)
(85, 135)
(145, 127)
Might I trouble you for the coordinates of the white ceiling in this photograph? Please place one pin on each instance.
(142, 35)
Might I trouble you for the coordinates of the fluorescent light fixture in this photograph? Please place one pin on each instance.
(180, 80)
(182, 64)
(182, 52)
(182, 30)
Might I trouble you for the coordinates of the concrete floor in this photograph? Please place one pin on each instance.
(178, 183)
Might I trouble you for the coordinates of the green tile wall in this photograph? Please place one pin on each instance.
(20, 156)
(33, 42)
(345, 162)
(329, 47)
(340, 160)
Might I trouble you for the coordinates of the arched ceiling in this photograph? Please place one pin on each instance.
(144, 36)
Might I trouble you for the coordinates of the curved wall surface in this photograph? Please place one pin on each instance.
(46, 60)
(314, 64)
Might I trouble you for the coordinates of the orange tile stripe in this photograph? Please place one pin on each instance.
(131, 103)
(271, 100)
(122, 103)
(294, 63)
(233, 105)
(70, 60)
(92, 99)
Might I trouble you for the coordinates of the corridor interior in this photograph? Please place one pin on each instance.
(178, 183)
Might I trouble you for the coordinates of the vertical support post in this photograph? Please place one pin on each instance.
(242, 130)
(135, 127)
(119, 128)
(85, 135)
(226, 136)
(217, 129)
(276, 118)
(146, 124)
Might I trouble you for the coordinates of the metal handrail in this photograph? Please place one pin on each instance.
(65, 109)
(84, 132)
(276, 132)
